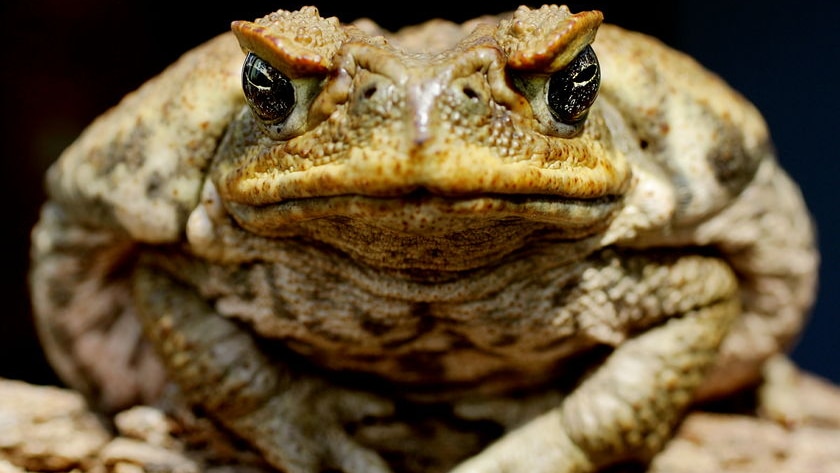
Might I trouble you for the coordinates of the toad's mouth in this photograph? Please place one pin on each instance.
(425, 213)
(424, 231)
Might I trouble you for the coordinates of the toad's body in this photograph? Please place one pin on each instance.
(454, 219)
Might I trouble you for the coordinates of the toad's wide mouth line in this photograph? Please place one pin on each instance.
(423, 207)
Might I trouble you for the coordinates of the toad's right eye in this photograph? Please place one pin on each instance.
(269, 93)
(572, 90)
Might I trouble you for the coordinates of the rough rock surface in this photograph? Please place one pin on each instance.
(793, 428)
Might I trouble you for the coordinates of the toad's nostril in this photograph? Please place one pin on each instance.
(469, 92)
(369, 91)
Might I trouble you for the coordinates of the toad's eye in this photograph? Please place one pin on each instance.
(571, 91)
(269, 92)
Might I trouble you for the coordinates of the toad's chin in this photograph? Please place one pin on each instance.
(422, 231)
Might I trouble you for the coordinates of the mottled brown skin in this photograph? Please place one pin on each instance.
(421, 267)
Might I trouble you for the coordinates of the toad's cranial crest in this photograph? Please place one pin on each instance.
(526, 243)
(426, 142)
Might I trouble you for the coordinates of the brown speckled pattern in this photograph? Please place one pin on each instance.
(420, 255)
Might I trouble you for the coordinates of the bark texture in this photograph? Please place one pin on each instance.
(793, 427)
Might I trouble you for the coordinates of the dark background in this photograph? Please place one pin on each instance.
(63, 63)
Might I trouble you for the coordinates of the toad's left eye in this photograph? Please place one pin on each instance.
(269, 92)
(572, 90)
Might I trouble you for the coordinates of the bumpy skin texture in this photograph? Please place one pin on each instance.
(421, 267)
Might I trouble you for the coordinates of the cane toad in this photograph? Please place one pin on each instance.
(510, 245)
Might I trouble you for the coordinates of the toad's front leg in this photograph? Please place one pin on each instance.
(627, 408)
(293, 419)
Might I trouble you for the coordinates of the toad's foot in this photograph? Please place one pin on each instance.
(294, 420)
(626, 410)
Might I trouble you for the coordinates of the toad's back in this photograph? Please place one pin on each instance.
(453, 210)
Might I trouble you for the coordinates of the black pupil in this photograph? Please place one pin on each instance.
(573, 89)
(586, 74)
(269, 92)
